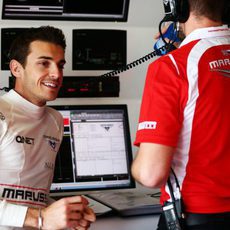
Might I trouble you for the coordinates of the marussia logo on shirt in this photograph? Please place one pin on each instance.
(2, 117)
(221, 65)
(25, 195)
(52, 142)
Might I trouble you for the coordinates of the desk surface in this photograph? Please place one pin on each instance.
(145, 222)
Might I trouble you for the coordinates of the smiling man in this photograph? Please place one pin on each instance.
(39, 77)
(30, 136)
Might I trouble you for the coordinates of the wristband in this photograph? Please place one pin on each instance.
(40, 220)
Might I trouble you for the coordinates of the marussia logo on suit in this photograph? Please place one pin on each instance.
(52, 142)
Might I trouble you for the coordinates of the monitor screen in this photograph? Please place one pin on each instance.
(99, 10)
(95, 153)
(7, 37)
(99, 49)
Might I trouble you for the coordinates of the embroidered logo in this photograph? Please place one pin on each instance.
(25, 140)
(147, 125)
(52, 142)
(26, 195)
(2, 117)
(219, 63)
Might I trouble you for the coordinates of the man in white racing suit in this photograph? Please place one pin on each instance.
(30, 136)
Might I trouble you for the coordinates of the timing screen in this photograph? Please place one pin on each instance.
(93, 152)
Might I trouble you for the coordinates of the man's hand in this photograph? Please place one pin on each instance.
(71, 212)
(164, 30)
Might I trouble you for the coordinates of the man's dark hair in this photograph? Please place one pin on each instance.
(20, 47)
(212, 9)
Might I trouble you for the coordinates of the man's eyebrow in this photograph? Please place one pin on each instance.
(63, 61)
(45, 57)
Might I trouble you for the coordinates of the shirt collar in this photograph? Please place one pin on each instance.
(207, 32)
(33, 111)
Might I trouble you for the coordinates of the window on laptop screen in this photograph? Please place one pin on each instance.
(95, 153)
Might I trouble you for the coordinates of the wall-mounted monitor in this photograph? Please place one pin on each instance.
(95, 153)
(99, 49)
(7, 37)
(81, 10)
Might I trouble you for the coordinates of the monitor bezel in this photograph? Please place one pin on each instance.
(123, 17)
(129, 154)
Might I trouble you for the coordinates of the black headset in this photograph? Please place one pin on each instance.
(178, 11)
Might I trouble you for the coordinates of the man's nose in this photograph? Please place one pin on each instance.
(55, 71)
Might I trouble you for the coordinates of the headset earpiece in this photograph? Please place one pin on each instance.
(176, 10)
(182, 8)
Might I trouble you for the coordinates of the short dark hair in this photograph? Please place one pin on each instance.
(211, 9)
(20, 47)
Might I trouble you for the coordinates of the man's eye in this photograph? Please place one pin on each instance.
(61, 66)
(44, 63)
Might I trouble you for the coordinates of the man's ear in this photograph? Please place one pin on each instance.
(16, 68)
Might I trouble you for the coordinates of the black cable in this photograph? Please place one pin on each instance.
(180, 208)
(6, 89)
(133, 64)
(176, 180)
(124, 68)
(160, 31)
(136, 62)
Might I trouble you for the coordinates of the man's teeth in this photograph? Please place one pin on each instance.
(50, 84)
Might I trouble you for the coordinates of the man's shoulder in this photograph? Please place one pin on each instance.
(5, 115)
(5, 105)
(54, 113)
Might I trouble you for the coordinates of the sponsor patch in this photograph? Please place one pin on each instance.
(2, 117)
(147, 125)
(21, 194)
(52, 142)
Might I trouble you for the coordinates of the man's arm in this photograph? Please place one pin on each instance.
(70, 212)
(152, 164)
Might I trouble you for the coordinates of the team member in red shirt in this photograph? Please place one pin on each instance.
(184, 120)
